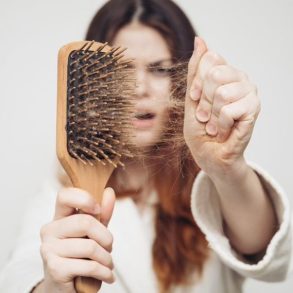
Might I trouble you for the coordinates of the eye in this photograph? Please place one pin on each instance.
(160, 70)
(130, 66)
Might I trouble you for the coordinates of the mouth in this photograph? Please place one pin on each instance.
(144, 116)
(144, 120)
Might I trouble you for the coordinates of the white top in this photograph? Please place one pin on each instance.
(224, 272)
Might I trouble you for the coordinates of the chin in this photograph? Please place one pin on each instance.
(145, 139)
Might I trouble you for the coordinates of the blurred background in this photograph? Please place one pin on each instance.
(255, 36)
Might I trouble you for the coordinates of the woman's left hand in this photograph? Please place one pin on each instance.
(221, 108)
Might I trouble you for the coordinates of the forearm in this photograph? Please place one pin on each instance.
(249, 218)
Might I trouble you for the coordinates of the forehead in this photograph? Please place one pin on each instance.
(143, 43)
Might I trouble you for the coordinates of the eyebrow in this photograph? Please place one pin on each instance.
(160, 62)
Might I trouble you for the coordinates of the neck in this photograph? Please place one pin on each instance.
(135, 178)
(137, 175)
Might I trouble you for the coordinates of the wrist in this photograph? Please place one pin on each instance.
(230, 173)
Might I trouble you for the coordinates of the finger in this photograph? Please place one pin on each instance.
(220, 75)
(107, 205)
(66, 269)
(209, 60)
(230, 93)
(78, 226)
(70, 199)
(210, 80)
(194, 85)
(224, 95)
(190, 104)
(79, 248)
(244, 111)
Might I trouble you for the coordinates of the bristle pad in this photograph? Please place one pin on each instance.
(99, 106)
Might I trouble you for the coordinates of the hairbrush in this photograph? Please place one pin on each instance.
(94, 110)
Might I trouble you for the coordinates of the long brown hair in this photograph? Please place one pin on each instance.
(179, 248)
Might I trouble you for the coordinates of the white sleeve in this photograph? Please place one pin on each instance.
(205, 207)
(24, 270)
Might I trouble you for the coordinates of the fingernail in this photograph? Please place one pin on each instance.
(202, 115)
(211, 129)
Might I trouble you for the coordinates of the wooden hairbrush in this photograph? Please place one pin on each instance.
(94, 111)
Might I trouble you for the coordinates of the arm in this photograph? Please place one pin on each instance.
(249, 218)
(271, 265)
(221, 108)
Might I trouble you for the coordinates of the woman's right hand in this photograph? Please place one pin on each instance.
(77, 244)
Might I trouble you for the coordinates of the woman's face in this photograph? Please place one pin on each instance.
(152, 59)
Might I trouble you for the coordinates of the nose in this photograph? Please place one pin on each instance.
(142, 86)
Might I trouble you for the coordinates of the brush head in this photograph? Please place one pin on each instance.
(99, 104)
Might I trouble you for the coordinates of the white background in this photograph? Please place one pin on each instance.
(255, 36)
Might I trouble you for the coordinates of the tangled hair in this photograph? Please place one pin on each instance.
(179, 249)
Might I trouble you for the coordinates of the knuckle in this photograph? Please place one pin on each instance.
(109, 262)
(62, 197)
(258, 108)
(86, 200)
(45, 251)
(214, 75)
(243, 75)
(107, 275)
(44, 231)
(222, 94)
(85, 221)
(215, 57)
(225, 112)
(109, 241)
(100, 272)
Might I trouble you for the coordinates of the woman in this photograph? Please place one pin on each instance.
(238, 223)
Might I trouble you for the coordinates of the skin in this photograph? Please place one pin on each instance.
(152, 84)
(221, 108)
(220, 112)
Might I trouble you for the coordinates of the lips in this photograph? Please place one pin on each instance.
(144, 115)
(144, 119)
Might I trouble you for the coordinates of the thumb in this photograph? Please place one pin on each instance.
(200, 48)
(194, 86)
(193, 92)
(107, 205)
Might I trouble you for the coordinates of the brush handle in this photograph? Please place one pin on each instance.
(87, 285)
(93, 179)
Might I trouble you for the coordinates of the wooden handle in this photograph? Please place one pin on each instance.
(87, 285)
(92, 179)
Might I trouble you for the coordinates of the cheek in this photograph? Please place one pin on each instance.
(161, 88)
(161, 94)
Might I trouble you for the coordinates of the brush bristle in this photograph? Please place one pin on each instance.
(99, 105)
